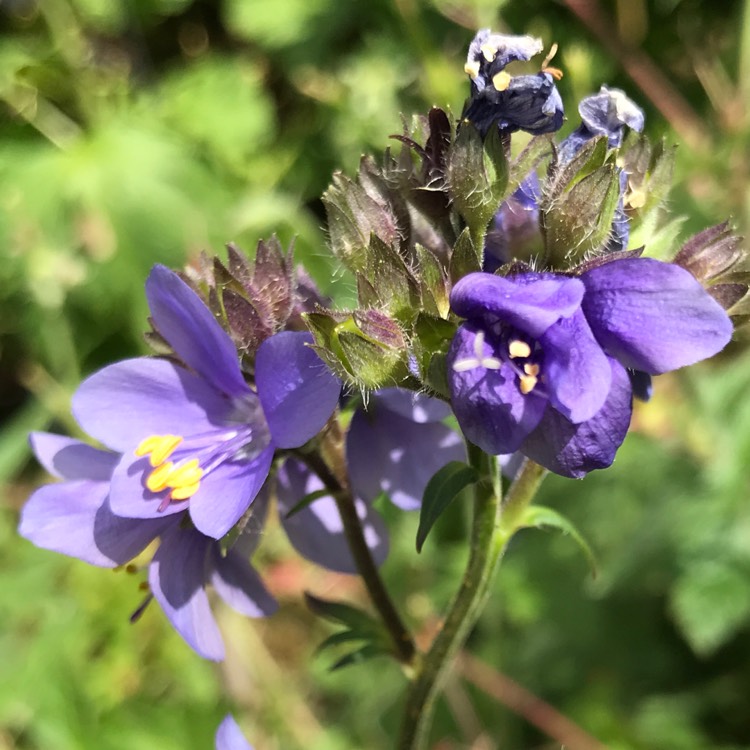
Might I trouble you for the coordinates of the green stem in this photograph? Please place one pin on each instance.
(493, 526)
(403, 644)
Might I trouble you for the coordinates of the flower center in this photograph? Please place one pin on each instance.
(193, 459)
(516, 351)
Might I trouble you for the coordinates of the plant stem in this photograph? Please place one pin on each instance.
(403, 644)
(493, 526)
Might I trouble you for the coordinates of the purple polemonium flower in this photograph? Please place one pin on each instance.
(393, 446)
(526, 102)
(514, 232)
(398, 443)
(539, 365)
(316, 530)
(607, 113)
(201, 439)
(74, 517)
(229, 736)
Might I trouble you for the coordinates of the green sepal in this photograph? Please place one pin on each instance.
(442, 489)
(353, 218)
(538, 148)
(387, 278)
(477, 176)
(579, 220)
(466, 257)
(365, 348)
(433, 282)
(431, 341)
(650, 171)
(539, 517)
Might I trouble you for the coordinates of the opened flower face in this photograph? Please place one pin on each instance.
(74, 517)
(201, 439)
(540, 363)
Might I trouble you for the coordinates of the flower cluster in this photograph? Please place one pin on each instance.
(489, 291)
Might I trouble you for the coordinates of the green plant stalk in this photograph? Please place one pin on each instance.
(493, 526)
(403, 644)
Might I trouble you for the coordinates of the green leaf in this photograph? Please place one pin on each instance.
(445, 485)
(308, 499)
(343, 614)
(368, 651)
(539, 517)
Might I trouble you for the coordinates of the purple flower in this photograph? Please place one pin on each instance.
(316, 531)
(185, 563)
(607, 113)
(526, 102)
(394, 446)
(229, 736)
(514, 232)
(74, 517)
(200, 439)
(540, 363)
(397, 444)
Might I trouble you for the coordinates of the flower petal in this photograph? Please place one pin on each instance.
(529, 302)
(572, 450)
(177, 576)
(67, 458)
(653, 316)
(229, 736)
(489, 406)
(192, 331)
(298, 392)
(226, 493)
(128, 401)
(577, 371)
(316, 531)
(74, 518)
(239, 585)
(416, 407)
(388, 453)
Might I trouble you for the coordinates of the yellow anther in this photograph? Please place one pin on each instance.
(527, 383)
(489, 51)
(501, 80)
(160, 447)
(183, 493)
(556, 73)
(530, 369)
(185, 475)
(165, 449)
(148, 444)
(519, 349)
(636, 199)
(472, 69)
(158, 479)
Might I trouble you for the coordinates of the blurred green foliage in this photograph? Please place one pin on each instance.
(143, 131)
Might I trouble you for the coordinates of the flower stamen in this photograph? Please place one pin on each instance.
(501, 80)
(527, 383)
(518, 349)
(160, 448)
